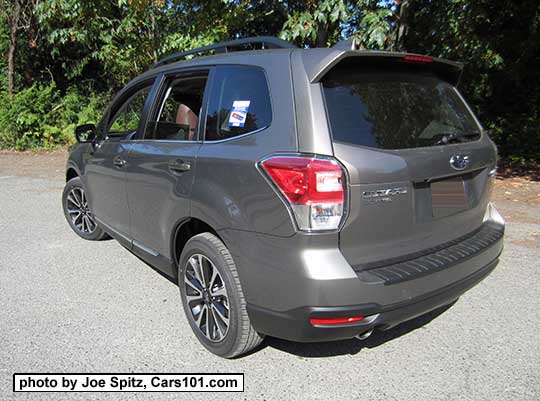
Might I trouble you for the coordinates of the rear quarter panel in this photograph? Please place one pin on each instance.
(229, 191)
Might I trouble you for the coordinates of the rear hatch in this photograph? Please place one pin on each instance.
(418, 163)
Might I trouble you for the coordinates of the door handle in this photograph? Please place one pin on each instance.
(119, 162)
(179, 166)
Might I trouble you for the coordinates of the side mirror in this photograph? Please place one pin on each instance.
(85, 133)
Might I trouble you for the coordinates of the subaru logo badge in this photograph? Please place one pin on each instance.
(459, 162)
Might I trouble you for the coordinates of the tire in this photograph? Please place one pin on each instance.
(73, 202)
(239, 337)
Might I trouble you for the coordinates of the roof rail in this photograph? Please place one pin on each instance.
(268, 42)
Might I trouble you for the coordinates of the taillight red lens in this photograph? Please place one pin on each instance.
(306, 180)
(313, 186)
(335, 320)
(413, 58)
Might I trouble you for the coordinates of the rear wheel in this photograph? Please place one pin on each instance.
(213, 299)
(77, 212)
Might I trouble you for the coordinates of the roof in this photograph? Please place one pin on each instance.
(316, 62)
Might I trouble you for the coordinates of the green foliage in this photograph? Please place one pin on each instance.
(317, 24)
(72, 54)
(324, 23)
(40, 117)
(500, 46)
(373, 24)
(377, 29)
(24, 123)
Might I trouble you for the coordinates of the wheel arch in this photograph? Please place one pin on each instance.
(186, 229)
(71, 172)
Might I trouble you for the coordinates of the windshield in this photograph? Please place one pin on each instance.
(395, 111)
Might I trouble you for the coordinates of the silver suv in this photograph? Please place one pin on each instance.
(306, 194)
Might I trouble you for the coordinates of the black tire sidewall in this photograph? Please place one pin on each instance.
(77, 183)
(200, 245)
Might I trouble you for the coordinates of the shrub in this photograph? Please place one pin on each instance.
(42, 117)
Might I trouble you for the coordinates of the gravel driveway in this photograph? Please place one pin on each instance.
(68, 305)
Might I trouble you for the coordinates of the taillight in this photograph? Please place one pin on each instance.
(314, 187)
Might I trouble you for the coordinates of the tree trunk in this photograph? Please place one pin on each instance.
(13, 28)
(31, 33)
(403, 24)
(154, 33)
(322, 36)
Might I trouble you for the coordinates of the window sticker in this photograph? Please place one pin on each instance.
(239, 113)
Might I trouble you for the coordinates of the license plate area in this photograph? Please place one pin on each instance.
(448, 197)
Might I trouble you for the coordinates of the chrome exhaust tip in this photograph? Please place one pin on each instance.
(364, 335)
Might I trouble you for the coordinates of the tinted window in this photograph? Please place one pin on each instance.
(179, 110)
(239, 102)
(395, 111)
(129, 115)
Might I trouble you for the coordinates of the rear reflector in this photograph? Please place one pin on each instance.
(335, 320)
(313, 186)
(412, 58)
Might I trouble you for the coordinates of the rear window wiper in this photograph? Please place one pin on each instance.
(453, 137)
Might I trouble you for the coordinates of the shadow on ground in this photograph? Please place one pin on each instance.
(352, 347)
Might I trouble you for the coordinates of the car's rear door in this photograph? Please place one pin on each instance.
(162, 163)
(105, 171)
(418, 163)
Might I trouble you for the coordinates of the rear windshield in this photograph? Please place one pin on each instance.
(395, 111)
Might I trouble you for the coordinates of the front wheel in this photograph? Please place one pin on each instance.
(213, 299)
(77, 212)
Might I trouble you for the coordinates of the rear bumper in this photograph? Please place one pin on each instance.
(294, 324)
(287, 281)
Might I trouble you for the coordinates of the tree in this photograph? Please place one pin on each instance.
(315, 23)
(75, 49)
(375, 24)
(13, 18)
(18, 14)
(402, 23)
(499, 42)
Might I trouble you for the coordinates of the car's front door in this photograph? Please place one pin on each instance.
(105, 172)
(162, 163)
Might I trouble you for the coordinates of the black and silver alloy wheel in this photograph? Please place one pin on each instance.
(77, 211)
(207, 298)
(213, 299)
(80, 214)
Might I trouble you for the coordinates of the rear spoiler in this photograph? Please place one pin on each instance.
(318, 62)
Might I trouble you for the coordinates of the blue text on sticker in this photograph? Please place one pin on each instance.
(239, 113)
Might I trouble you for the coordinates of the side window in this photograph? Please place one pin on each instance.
(239, 102)
(177, 116)
(127, 118)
